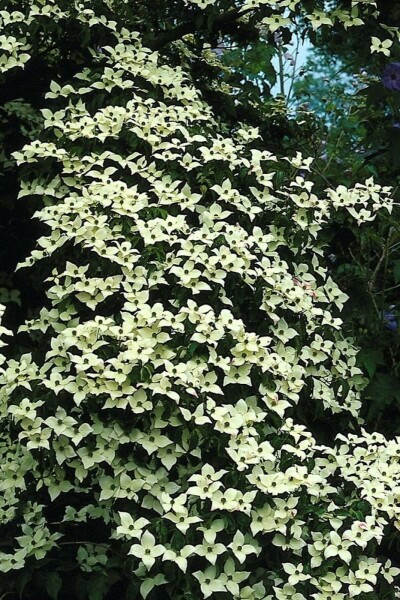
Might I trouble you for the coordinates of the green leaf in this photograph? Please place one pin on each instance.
(81, 586)
(132, 590)
(194, 440)
(23, 580)
(382, 391)
(146, 587)
(199, 20)
(53, 585)
(394, 146)
(97, 586)
(396, 271)
(192, 349)
(370, 358)
(177, 541)
(375, 93)
(210, 21)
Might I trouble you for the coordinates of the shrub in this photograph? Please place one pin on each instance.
(152, 437)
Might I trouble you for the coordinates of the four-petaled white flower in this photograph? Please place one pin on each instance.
(147, 550)
(210, 582)
(295, 573)
(129, 527)
(210, 549)
(179, 557)
(234, 577)
(378, 46)
(338, 547)
(241, 548)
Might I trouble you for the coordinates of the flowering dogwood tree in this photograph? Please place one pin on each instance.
(150, 441)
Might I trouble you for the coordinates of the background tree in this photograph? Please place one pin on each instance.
(171, 412)
(356, 108)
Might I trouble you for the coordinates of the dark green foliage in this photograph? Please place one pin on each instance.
(356, 117)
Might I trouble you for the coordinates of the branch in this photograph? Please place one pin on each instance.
(281, 73)
(172, 35)
(382, 259)
(168, 36)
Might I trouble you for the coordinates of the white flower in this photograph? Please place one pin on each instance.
(179, 557)
(378, 46)
(181, 518)
(357, 586)
(338, 547)
(389, 572)
(275, 22)
(234, 577)
(241, 549)
(210, 582)
(295, 573)
(200, 3)
(209, 548)
(288, 592)
(319, 18)
(367, 570)
(129, 527)
(147, 550)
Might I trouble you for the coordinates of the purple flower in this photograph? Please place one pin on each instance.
(391, 76)
(390, 320)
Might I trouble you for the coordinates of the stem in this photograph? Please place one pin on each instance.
(296, 56)
(318, 172)
(394, 287)
(328, 164)
(91, 544)
(82, 542)
(369, 283)
(281, 73)
(386, 266)
(337, 144)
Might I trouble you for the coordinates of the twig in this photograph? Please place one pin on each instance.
(371, 282)
(363, 269)
(386, 266)
(171, 35)
(281, 73)
(318, 172)
(394, 287)
(296, 56)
